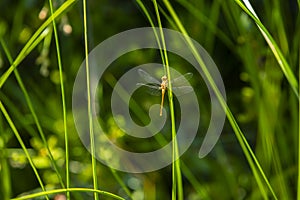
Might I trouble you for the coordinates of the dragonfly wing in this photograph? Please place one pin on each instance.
(153, 89)
(182, 80)
(182, 90)
(147, 77)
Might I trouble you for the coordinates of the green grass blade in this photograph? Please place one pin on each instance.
(32, 41)
(90, 117)
(111, 80)
(176, 172)
(57, 191)
(5, 169)
(145, 11)
(286, 69)
(252, 160)
(34, 115)
(202, 192)
(14, 129)
(142, 6)
(63, 99)
(298, 183)
(168, 18)
(122, 184)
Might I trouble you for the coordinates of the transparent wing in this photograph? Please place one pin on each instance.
(153, 89)
(181, 90)
(147, 77)
(181, 80)
(180, 85)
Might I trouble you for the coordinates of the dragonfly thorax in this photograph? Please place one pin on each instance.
(179, 84)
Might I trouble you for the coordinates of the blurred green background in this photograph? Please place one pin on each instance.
(258, 94)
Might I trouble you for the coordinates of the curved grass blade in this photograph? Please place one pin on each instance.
(31, 44)
(251, 158)
(14, 129)
(286, 69)
(64, 109)
(90, 117)
(34, 115)
(56, 191)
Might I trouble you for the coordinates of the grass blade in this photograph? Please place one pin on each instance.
(286, 69)
(14, 129)
(90, 117)
(34, 115)
(252, 160)
(57, 191)
(176, 172)
(63, 99)
(32, 41)
(298, 183)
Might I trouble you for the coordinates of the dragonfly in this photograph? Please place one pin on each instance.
(179, 85)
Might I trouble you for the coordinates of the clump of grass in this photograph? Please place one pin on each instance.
(263, 52)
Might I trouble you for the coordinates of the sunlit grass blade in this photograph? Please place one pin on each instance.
(298, 182)
(111, 80)
(176, 172)
(57, 191)
(14, 129)
(177, 188)
(5, 174)
(285, 67)
(252, 160)
(34, 115)
(264, 89)
(144, 9)
(90, 117)
(32, 41)
(63, 99)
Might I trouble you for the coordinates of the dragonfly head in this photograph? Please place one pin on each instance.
(164, 78)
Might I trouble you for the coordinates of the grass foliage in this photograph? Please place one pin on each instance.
(256, 47)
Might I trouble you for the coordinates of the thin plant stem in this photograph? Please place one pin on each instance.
(57, 191)
(154, 30)
(159, 138)
(63, 99)
(29, 45)
(186, 170)
(14, 129)
(34, 115)
(286, 69)
(5, 174)
(90, 117)
(176, 172)
(123, 185)
(298, 183)
(252, 160)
